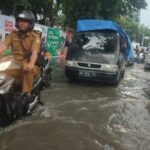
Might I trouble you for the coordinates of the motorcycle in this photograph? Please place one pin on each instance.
(13, 103)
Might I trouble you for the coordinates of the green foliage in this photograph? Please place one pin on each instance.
(101, 9)
(133, 28)
(125, 12)
(79, 9)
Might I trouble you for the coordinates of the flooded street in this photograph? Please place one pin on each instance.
(86, 116)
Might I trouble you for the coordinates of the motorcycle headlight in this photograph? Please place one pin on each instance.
(71, 63)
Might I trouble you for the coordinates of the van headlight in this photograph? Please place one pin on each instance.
(110, 68)
(71, 63)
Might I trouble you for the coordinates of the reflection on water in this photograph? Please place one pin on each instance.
(86, 116)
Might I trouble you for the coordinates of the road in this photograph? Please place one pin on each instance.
(86, 116)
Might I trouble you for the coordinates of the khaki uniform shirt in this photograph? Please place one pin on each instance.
(30, 42)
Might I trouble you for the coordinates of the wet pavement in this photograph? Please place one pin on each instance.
(86, 116)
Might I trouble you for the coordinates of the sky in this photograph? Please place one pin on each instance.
(145, 15)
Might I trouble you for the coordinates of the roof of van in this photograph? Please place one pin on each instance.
(89, 25)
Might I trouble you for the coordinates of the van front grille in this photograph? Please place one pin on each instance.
(89, 65)
(95, 66)
(82, 64)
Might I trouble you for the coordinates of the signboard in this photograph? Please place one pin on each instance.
(53, 40)
(7, 24)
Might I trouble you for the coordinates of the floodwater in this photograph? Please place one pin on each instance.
(86, 116)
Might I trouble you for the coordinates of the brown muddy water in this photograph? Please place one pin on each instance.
(86, 116)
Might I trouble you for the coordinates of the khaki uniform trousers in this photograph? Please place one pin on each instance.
(24, 77)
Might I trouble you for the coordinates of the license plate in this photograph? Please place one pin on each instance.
(89, 74)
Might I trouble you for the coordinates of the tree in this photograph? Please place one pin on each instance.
(38, 7)
(79, 9)
(11, 7)
(125, 12)
(100, 9)
(131, 6)
(109, 9)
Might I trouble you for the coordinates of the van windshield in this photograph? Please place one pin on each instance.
(103, 42)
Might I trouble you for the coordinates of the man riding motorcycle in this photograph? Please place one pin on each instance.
(24, 42)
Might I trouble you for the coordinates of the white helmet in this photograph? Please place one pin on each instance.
(38, 29)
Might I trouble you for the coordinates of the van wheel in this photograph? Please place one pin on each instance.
(117, 80)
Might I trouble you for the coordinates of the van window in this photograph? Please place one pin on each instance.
(104, 42)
